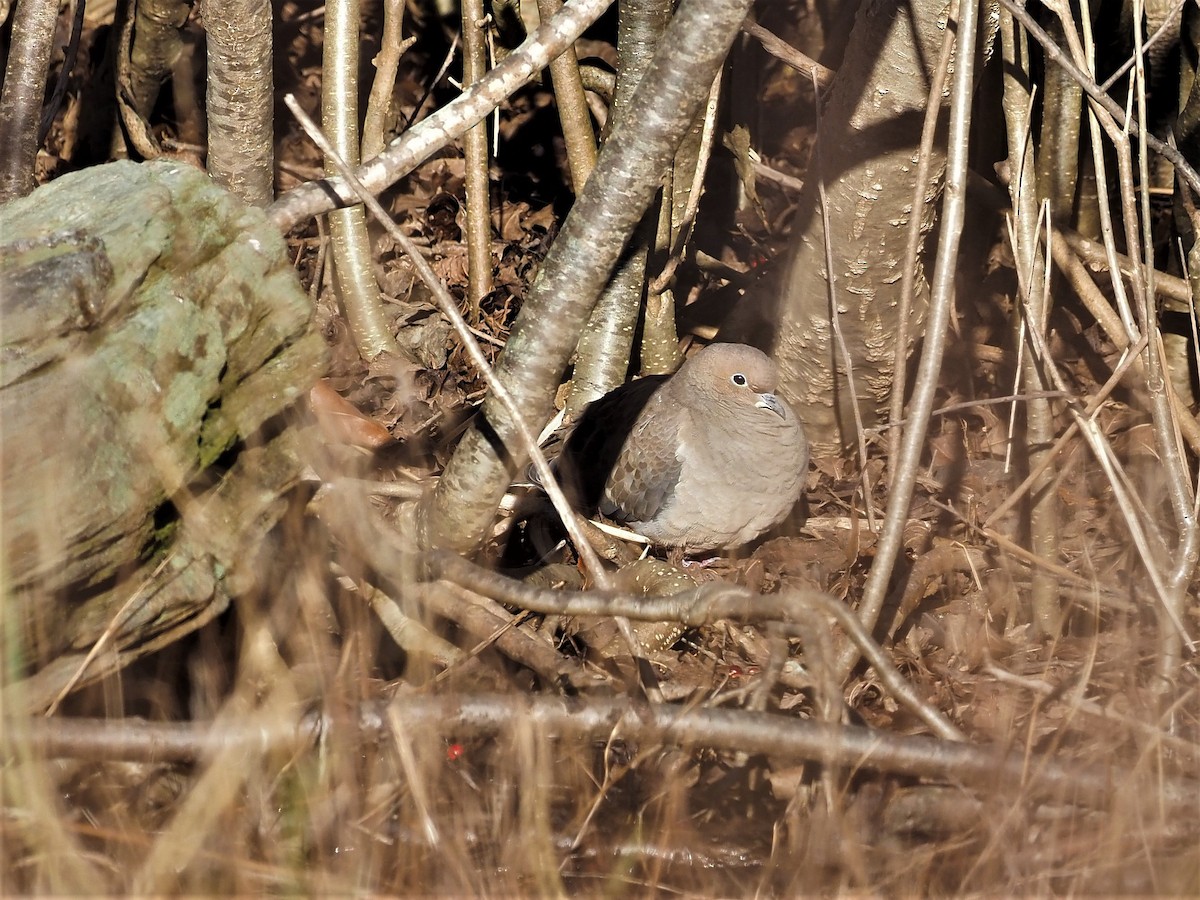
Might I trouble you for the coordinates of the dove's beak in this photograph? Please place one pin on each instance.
(771, 402)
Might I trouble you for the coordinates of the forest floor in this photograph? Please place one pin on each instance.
(404, 811)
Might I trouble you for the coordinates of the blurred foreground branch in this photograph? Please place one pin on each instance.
(458, 715)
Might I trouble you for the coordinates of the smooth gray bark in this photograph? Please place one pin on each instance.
(620, 189)
(241, 146)
(21, 98)
(607, 340)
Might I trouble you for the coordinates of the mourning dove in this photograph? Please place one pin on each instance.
(704, 459)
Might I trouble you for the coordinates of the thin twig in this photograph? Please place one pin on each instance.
(447, 124)
(835, 318)
(1094, 256)
(1186, 748)
(1170, 21)
(117, 620)
(663, 280)
(64, 74)
(1093, 405)
(951, 408)
(475, 151)
(786, 53)
(1024, 223)
(410, 635)
(1104, 455)
(392, 47)
(912, 247)
(1096, 304)
(696, 608)
(1055, 54)
(449, 308)
(891, 535)
(1178, 479)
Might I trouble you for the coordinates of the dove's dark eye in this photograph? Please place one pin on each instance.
(739, 379)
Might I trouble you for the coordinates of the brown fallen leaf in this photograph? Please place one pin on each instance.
(342, 422)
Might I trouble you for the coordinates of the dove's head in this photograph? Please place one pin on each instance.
(734, 375)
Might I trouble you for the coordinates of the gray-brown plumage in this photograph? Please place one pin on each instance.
(704, 459)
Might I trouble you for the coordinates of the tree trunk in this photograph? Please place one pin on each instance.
(870, 132)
